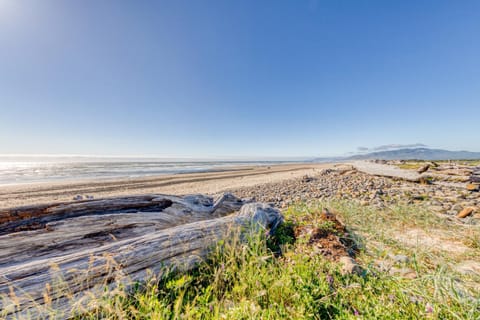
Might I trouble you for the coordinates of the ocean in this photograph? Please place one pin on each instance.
(20, 172)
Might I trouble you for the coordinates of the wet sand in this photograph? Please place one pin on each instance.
(207, 183)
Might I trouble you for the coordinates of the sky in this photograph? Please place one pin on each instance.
(270, 78)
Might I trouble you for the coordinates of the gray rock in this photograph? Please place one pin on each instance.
(457, 208)
(403, 272)
(469, 267)
(447, 207)
(349, 266)
(438, 209)
(400, 258)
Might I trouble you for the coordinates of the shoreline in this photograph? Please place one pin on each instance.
(53, 181)
(112, 170)
(209, 182)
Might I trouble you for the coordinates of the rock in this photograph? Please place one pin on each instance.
(457, 208)
(424, 180)
(447, 207)
(384, 265)
(438, 209)
(307, 178)
(407, 273)
(400, 258)
(475, 178)
(465, 212)
(349, 266)
(468, 267)
(473, 187)
(364, 203)
(367, 189)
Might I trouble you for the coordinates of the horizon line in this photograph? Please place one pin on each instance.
(99, 156)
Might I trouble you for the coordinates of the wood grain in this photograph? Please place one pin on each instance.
(57, 259)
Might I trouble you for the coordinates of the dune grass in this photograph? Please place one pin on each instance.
(250, 280)
(417, 164)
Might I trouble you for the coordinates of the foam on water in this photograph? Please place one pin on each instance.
(18, 172)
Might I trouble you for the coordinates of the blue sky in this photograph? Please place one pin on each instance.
(237, 78)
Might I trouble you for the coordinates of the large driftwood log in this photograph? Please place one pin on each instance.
(385, 170)
(65, 255)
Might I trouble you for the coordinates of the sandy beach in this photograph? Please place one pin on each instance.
(178, 184)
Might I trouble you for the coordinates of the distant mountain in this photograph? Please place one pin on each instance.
(417, 154)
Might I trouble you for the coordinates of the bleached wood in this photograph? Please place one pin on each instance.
(78, 249)
(385, 170)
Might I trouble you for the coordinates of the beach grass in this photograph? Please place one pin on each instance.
(249, 279)
(417, 164)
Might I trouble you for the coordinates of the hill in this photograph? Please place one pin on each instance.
(417, 154)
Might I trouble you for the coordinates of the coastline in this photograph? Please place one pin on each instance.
(209, 182)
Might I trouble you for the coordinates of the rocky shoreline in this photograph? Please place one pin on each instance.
(344, 182)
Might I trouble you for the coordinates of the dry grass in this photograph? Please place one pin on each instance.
(245, 279)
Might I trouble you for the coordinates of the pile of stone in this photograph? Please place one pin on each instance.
(474, 183)
(368, 190)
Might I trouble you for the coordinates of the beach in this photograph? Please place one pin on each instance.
(326, 209)
(178, 184)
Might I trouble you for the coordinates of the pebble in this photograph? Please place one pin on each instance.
(400, 258)
(469, 267)
(407, 273)
(349, 266)
(473, 187)
(367, 190)
(457, 207)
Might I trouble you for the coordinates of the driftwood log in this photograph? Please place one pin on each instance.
(57, 260)
(389, 171)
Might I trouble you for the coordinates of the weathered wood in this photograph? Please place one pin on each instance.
(81, 248)
(385, 170)
(36, 217)
(424, 168)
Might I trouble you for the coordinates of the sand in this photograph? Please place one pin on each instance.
(179, 184)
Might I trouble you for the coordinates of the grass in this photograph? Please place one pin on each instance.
(467, 162)
(417, 164)
(250, 280)
(410, 165)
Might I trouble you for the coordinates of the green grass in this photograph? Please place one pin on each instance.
(466, 162)
(410, 165)
(250, 280)
(417, 164)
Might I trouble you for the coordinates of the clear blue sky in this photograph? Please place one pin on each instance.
(237, 78)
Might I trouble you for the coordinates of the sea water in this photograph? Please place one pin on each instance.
(19, 172)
